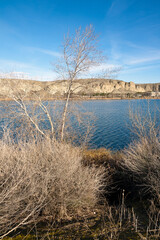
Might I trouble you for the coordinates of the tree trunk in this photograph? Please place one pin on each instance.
(65, 111)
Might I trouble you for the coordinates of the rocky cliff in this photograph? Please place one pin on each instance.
(81, 87)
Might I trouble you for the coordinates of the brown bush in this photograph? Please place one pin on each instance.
(44, 179)
(142, 159)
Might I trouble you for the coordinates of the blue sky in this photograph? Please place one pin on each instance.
(31, 33)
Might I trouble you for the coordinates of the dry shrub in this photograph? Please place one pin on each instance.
(111, 161)
(44, 179)
(142, 159)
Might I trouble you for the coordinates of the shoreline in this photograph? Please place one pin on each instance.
(82, 99)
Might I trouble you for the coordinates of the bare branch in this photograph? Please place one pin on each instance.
(23, 107)
(80, 53)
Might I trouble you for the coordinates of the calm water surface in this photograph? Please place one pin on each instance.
(112, 125)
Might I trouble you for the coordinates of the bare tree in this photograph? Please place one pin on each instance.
(29, 111)
(80, 53)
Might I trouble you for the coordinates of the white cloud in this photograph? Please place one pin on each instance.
(103, 67)
(19, 75)
(140, 60)
(119, 6)
(39, 76)
(13, 64)
(44, 75)
(15, 69)
(136, 69)
(133, 54)
(45, 51)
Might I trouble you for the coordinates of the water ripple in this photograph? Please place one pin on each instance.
(111, 124)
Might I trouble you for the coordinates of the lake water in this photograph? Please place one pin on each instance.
(113, 128)
(112, 124)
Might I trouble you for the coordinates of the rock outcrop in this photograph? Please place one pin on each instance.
(81, 87)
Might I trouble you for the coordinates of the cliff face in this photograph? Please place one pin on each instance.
(81, 87)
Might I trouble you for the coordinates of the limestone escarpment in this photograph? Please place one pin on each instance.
(80, 87)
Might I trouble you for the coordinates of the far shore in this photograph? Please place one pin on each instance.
(77, 98)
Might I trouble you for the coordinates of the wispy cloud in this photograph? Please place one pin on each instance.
(43, 75)
(11, 64)
(37, 75)
(115, 52)
(103, 70)
(134, 45)
(25, 71)
(103, 67)
(129, 53)
(134, 69)
(119, 6)
(14, 74)
(140, 60)
(8, 29)
(45, 51)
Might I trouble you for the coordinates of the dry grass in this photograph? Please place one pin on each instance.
(97, 156)
(101, 156)
(45, 180)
